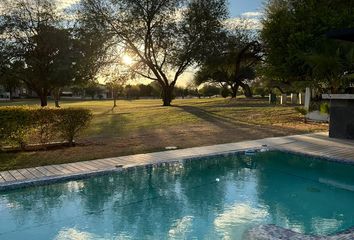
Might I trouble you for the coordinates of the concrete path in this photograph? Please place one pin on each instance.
(313, 144)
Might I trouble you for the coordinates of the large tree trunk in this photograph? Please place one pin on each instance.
(234, 90)
(44, 99)
(167, 93)
(247, 90)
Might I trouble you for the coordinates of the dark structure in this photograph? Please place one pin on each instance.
(341, 105)
(342, 34)
(341, 124)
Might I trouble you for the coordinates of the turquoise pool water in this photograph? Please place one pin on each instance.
(216, 198)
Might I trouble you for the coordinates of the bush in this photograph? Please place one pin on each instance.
(71, 121)
(301, 110)
(15, 123)
(44, 119)
(261, 91)
(18, 124)
(209, 90)
(324, 108)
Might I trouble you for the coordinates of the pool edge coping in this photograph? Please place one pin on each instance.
(258, 144)
(88, 174)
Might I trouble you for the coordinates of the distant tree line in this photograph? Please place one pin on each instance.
(152, 90)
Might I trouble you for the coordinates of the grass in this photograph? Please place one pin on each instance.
(142, 126)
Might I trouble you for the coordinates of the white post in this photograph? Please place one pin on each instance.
(283, 99)
(307, 98)
(294, 98)
(301, 98)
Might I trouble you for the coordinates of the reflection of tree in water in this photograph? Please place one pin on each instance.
(191, 189)
(36, 203)
(139, 201)
(290, 185)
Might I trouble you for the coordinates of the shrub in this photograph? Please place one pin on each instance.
(324, 108)
(301, 110)
(209, 90)
(15, 123)
(261, 91)
(44, 119)
(18, 124)
(71, 121)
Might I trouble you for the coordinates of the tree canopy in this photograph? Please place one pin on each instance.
(163, 37)
(40, 50)
(233, 64)
(298, 52)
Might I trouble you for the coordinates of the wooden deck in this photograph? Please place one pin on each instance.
(314, 144)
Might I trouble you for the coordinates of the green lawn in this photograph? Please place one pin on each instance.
(140, 126)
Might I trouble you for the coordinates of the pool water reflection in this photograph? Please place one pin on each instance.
(185, 200)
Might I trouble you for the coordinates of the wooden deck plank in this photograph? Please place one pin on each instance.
(62, 169)
(96, 165)
(71, 167)
(16, 174)
(35, 172)
(53, 170)
(1, 179)
(113, 161)
(85, 165)
(45, 171)
(65, 167)
(7, 176)
(78, 167)
(26, 173)
(105, 163)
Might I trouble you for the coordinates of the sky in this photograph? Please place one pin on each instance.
(245, 9)
(239, 7)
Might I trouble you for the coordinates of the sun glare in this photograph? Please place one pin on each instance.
(127, 60)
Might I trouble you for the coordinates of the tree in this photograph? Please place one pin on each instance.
(92, 89)
(192, 87)
(8, 78)
(297, 50)
(49, 55)
(146, 90)
(234, 65)
(29, 27)
(116, 82)
(209, 90)
(132, 91)
(163, 36)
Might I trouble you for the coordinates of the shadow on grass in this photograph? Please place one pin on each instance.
(227, 122)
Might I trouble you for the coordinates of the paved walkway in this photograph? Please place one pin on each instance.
(314, 144)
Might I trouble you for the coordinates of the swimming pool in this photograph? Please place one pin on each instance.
(218, 197)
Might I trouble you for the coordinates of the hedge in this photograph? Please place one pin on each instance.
(21, 124)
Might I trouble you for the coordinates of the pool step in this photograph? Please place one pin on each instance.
(273, 232)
